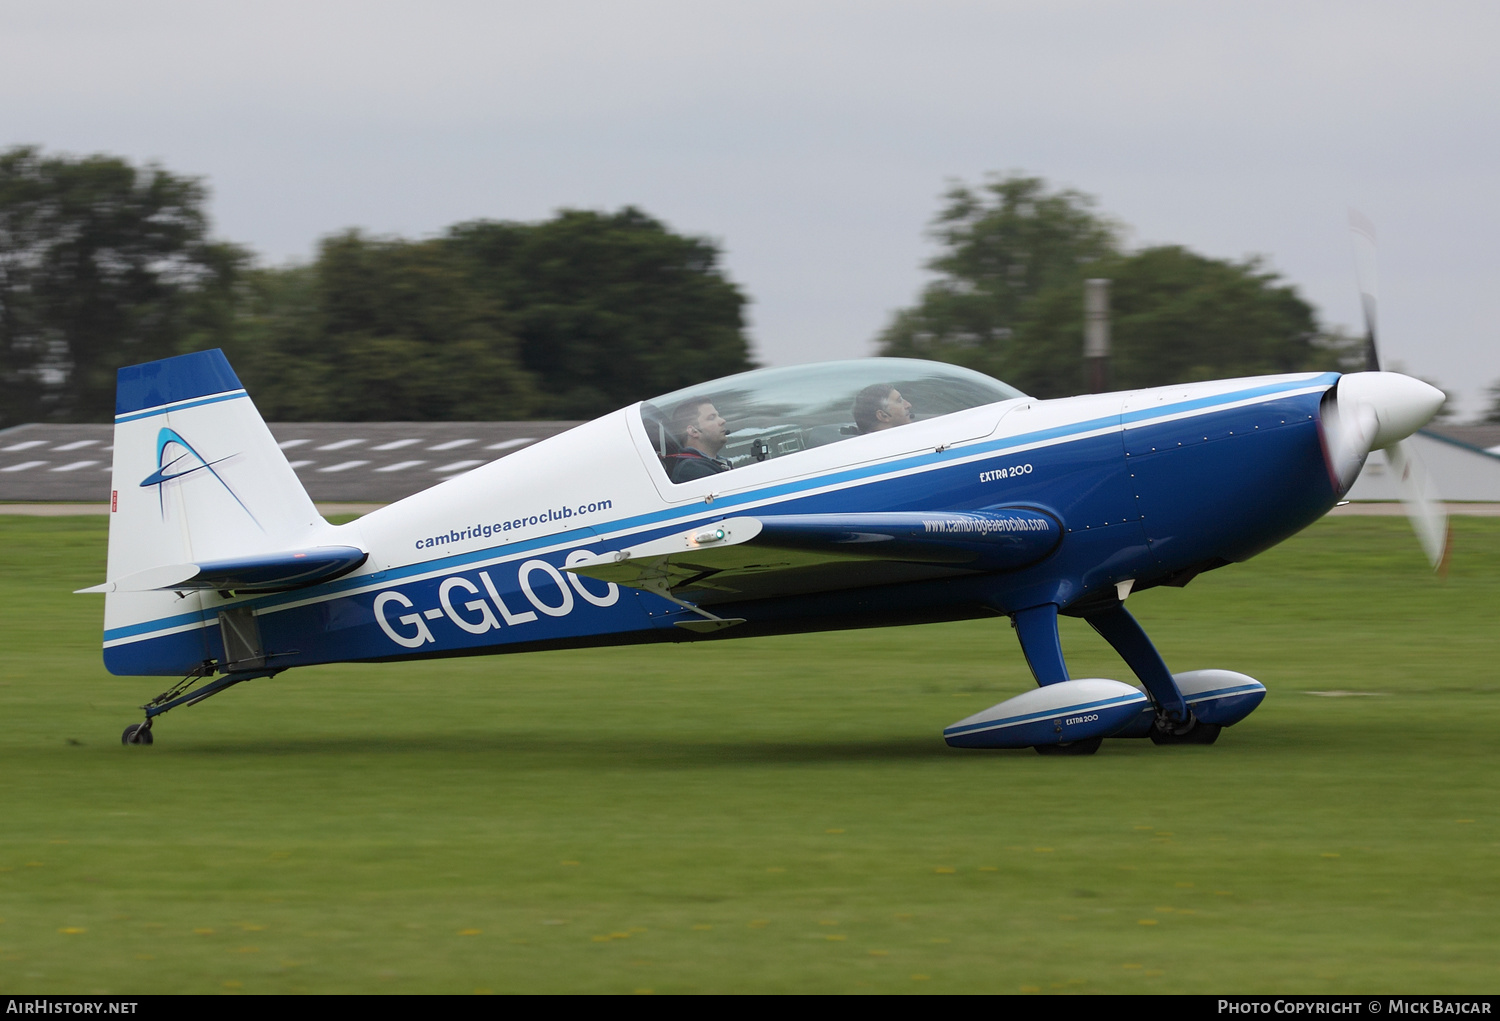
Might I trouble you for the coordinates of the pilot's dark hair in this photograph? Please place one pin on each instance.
(867, 402)
(685, 416)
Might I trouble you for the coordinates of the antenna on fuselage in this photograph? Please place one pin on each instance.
(1096, 333)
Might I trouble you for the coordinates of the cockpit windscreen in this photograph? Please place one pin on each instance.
(769, 413)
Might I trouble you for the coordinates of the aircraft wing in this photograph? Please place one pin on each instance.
(266, 572)
(795, 554)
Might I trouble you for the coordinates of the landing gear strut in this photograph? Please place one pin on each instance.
(1174, 723)
(1066, 716)
(1117, 627)
(184, 692)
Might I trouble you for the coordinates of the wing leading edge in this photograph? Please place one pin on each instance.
(795, 554)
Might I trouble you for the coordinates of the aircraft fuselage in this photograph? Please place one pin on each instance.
(1150, 487)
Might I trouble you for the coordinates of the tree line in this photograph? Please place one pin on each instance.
(1008, 300)
(103, 264)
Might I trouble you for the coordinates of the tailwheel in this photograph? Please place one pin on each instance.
(1087, 747)
(1195, 731)
(137, 733)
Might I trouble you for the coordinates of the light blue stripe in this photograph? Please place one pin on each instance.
(1239, 395)
(164, 409)
(153, 625)
(640, 521)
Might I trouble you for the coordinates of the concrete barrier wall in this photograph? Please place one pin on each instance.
(360, 462)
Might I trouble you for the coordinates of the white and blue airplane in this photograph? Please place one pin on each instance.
(986, 503)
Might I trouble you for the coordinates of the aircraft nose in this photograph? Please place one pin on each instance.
(1400, 404)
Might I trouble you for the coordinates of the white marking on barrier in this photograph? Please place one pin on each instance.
(74, 466)
(400, 466)
(341, 444)
(396, 444)
(452, 445)
(457, 466)
(507, 444)
(22, 466)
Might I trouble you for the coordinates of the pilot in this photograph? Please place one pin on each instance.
(880, 406)
(702, 432)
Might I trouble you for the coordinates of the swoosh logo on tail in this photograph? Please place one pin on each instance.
(164, 469)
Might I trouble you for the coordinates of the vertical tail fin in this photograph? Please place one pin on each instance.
(197, 476)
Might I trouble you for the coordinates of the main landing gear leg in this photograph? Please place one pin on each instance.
(1036, 627)
(1175, 722)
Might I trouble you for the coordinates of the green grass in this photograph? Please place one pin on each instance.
(771, 814)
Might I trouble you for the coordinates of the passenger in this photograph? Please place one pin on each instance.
(880, 406)
(702, 432)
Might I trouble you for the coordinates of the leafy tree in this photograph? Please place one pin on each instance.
(102, 264)
(569, 318)
(378, 329)
(1174, 316)
(607, 309)
(1004, 244)
(1010, 300)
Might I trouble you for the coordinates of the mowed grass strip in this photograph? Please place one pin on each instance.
(771, 814)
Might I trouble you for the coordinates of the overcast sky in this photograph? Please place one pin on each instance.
(813, 140)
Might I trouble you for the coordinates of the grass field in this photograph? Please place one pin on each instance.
(771, 814)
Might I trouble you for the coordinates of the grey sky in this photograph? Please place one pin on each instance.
(813, 140)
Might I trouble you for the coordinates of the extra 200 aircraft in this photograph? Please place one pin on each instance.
(986, 503)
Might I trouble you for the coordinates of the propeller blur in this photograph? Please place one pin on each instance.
(844, 495)
(1419, 496)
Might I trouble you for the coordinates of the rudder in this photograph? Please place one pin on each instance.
(197, 476)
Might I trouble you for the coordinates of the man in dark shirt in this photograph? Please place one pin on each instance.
(880, 406)
(702, 432)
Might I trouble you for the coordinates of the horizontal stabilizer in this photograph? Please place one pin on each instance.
(780, 555)
(265, 572)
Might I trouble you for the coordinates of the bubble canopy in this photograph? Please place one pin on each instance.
(780, 411)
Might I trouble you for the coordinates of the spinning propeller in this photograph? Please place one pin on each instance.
(1378, 410)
